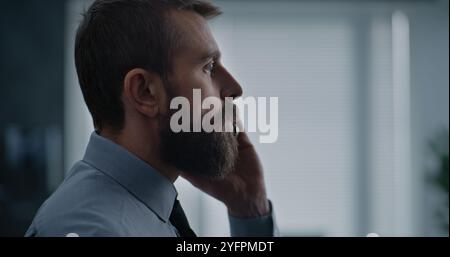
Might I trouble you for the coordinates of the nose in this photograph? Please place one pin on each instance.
(229, 86)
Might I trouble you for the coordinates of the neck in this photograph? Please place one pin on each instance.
(145, 147)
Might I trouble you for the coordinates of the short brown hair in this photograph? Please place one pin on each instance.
(116, 36)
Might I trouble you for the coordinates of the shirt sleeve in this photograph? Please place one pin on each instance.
(76, 224)
(264, 226)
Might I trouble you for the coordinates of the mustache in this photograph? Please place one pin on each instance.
(227, 114)
(229, 118)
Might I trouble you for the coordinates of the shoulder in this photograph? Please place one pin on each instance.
(87, 203)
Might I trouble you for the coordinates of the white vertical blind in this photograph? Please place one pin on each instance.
(309, 64)
(381, 136)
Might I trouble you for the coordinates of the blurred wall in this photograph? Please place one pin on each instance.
(429, 102)
(31, 107)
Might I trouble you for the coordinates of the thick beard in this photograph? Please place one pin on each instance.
(206, 154)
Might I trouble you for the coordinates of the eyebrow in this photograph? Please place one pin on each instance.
(210, 54)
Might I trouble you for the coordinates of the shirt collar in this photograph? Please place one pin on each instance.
(135, 175)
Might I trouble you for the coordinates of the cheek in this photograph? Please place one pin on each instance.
(198, 80)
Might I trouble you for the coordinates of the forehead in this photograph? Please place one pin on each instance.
(192, 34)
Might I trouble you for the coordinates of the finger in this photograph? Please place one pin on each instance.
(244, 141)
(239, 124)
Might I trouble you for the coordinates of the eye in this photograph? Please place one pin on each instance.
(210, 67)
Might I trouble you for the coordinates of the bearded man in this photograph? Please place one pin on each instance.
(132, 57)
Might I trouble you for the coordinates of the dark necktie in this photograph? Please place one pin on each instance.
(180, 222)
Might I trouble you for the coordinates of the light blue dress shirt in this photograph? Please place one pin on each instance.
(111, 192)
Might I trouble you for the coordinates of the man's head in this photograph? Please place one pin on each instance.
(134, 56)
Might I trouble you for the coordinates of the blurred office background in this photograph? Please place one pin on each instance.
(363, 91)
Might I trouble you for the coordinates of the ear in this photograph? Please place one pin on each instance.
(142, 90)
